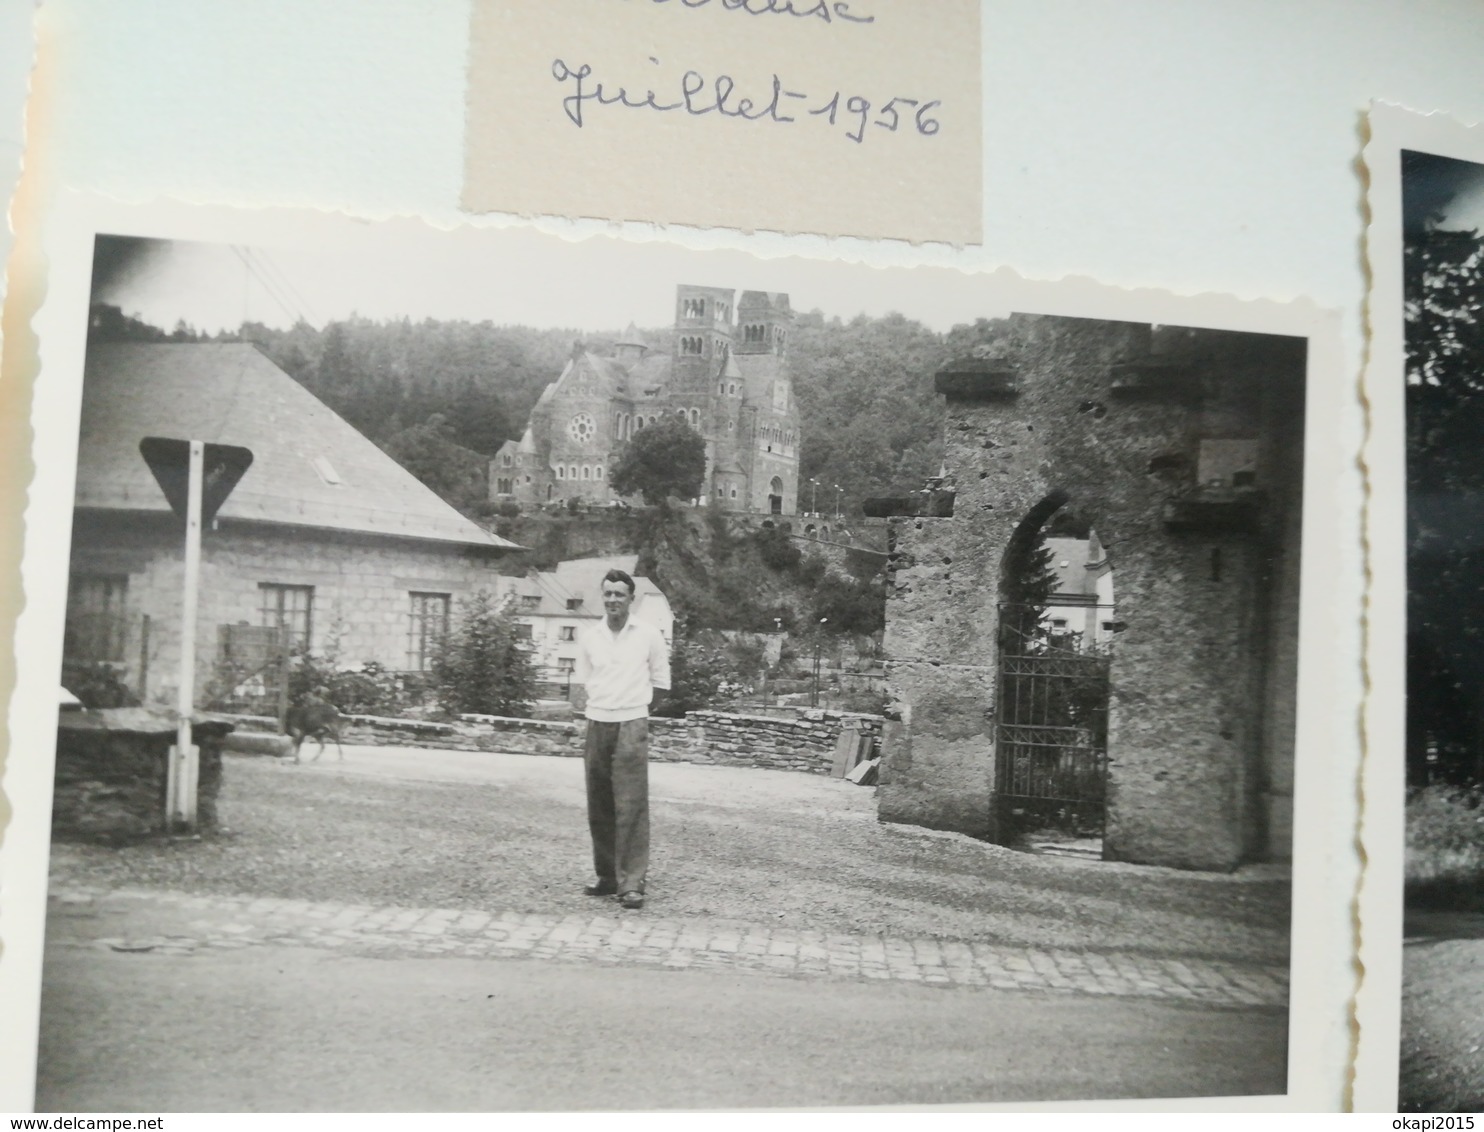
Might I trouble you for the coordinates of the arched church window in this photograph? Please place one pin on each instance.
(561, 472)
(731, 388)
(598, 472)
(572, 472)
(587, 471)
(695, 417)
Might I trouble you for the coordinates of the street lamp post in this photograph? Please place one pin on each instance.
(818, 640)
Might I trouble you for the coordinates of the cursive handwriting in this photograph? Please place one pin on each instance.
(820, 9)
(697, 96)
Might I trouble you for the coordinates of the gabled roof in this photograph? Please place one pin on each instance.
(310, 467)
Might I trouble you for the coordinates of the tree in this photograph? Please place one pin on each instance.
(697, 673)
(667, 459)
(1443, 297)
(482, 667)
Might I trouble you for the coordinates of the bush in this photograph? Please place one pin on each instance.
(776, 549)
(1445, 846)
(482, 667)
(698, 676)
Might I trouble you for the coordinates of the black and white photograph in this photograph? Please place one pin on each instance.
(1442, 1035)
(498, 672)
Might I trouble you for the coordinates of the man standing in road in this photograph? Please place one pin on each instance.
(620, 662)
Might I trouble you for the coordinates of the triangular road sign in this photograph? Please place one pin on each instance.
(222, 465)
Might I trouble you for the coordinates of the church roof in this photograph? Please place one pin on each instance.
(310, 467)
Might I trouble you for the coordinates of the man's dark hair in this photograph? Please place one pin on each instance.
(620, 576)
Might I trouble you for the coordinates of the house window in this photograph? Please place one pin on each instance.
(530, 601)
(574, 603)
(568, 633)
(502, 486)
(731, 388)
(288, 609)
(523, 632)
(566, 665)
(734, 493)
(97, 626)
(1058, 622)
(427, 626)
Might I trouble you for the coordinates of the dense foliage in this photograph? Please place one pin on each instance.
(666, 460)
(483, 667)
(1444, 298)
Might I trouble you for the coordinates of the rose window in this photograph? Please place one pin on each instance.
(582, 428)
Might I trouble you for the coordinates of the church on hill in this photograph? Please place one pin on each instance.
(726, 374)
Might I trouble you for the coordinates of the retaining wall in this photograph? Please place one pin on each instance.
(804, 742)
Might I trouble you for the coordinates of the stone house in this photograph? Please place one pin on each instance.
(1183, 448)
(726, 375)
(326, 544)
(552, 607)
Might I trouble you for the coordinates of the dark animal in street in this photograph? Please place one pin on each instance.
(314, 718)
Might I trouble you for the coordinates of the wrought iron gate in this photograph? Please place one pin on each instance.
(1051, 729)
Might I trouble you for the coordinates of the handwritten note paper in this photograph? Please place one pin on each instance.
(857, 118)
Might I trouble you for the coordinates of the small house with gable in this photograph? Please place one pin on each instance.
(326, 546)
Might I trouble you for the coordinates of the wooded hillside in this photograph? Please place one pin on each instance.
(441, 397)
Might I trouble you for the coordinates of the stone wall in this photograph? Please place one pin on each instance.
(110, 773)
(361, 588)
(1108, 419)
(804, 741)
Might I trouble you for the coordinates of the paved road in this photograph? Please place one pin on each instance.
(233, 1026)
(313, 1004)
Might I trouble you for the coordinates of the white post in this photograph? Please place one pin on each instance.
(183, 770)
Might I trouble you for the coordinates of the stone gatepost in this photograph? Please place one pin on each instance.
(1183, 449)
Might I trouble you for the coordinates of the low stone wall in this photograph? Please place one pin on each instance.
(111, 767)
(804, 742)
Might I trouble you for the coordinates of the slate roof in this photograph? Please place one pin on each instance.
(229, 393)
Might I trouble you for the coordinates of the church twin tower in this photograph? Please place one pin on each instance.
(726, 374)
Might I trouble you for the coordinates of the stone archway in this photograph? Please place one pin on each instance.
(1051, 696)
(1187, 444)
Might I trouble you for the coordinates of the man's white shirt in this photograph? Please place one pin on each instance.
(621, 670)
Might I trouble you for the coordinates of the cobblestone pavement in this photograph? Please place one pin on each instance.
(84, 916)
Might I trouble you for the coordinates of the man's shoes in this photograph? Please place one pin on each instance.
(602, 888)
(634, 900)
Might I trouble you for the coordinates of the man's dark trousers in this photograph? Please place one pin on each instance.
(617, 759)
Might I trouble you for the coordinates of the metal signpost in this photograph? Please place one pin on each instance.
(196, 478)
